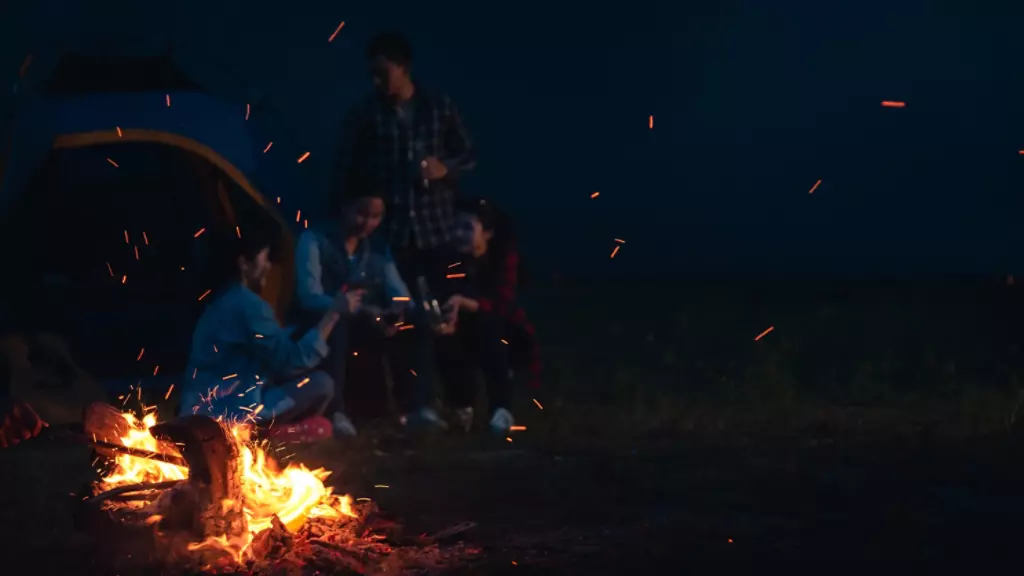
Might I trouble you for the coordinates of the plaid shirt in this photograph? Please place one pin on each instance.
(382, 150)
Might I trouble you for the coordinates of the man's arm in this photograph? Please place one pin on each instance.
(459, 153)
(309, 285)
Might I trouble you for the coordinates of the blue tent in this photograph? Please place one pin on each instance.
(109, 145)
(98, 101)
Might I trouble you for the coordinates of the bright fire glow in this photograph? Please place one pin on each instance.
(292, 494)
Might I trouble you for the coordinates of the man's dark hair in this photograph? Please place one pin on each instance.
(393, 46)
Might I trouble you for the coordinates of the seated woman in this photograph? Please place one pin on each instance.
(244, 365)
(483, 325)
(345, 251)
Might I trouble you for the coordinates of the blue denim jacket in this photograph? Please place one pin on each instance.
(238, 348)
(322, 267)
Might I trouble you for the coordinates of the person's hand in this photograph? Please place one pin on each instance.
(396, 314)
(457, 303)
(350, 300)
(450, 309)
(445, 329)
(433, 169)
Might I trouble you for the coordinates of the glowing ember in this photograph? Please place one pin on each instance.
(292, 495)
(335, 33)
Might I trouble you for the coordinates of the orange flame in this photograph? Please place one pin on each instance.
(293, 494)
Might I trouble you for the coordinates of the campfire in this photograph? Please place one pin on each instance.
(198, 494)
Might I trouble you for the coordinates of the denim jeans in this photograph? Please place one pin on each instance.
(309, 394)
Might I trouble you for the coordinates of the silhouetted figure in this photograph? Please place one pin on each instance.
(410, 143)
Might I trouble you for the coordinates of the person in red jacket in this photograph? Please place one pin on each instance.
(485, 328)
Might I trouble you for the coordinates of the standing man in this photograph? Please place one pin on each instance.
(410, 143)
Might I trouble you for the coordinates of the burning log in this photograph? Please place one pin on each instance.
(273, 543)
(224, 506)
(204, 503)
(129, 489)
(106, 425)
(214, 471)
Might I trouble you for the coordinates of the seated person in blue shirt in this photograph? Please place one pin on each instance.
(243, 365)
(344, 251)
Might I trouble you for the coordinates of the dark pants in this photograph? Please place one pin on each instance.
(429, 263)
(476, 345)
(359, 352)
(310, 394)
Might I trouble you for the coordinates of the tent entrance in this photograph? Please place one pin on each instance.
(104, 242)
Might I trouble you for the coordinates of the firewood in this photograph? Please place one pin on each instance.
(452, 531)
(106, 424)
(104, 421)
(273, 543)
(340, 555)
(129, 488)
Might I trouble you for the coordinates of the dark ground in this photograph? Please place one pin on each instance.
(875, 427)
(694, 504)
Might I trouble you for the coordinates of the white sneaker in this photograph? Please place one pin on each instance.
(429, 415)
(342, 425)
(426, 416)
(465, 417)
(502, 421)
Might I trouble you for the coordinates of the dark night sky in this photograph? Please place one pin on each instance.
(753, 102)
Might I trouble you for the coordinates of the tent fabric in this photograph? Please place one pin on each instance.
(79, 73)
(198, 122)
(196, 116)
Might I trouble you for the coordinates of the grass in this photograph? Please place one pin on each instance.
(860, 427)
(643, 362)
(933, 359)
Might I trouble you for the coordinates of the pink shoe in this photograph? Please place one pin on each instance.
(305, 431)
